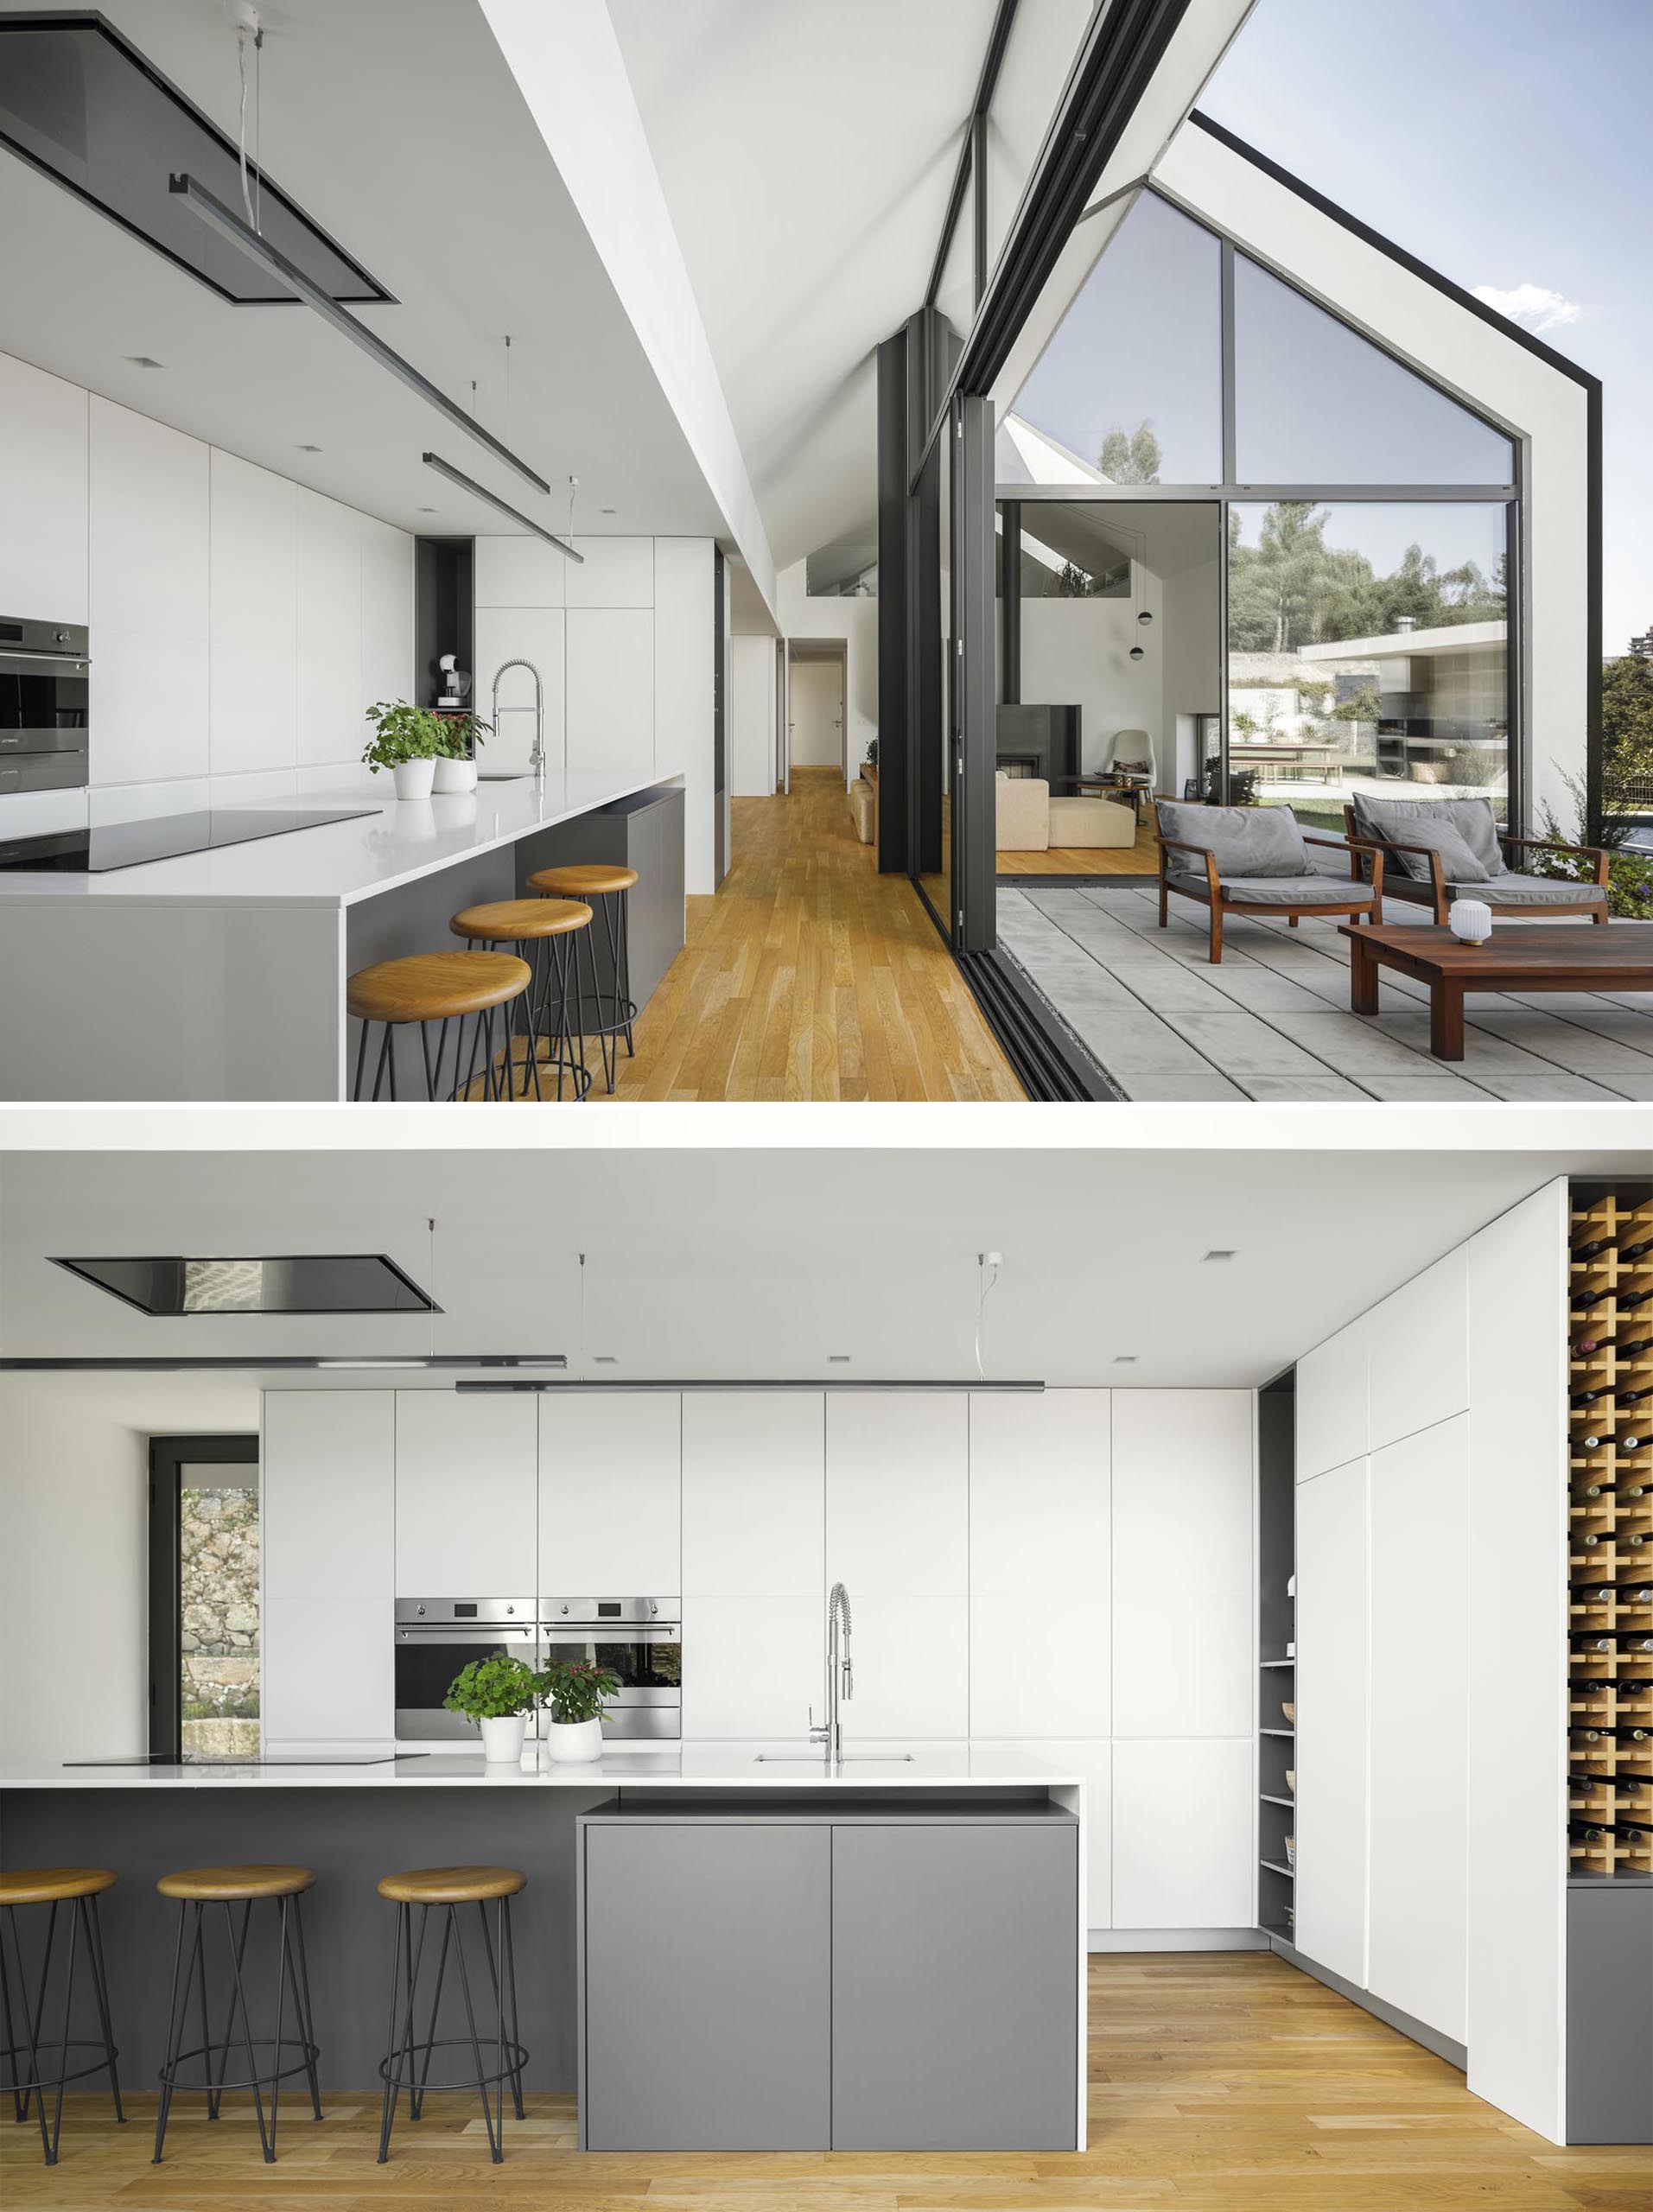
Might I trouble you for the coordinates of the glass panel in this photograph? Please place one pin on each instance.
(1130, 388)
(1317, 403)
(1044, 36)
(1367, 652)
(218, 1584)
(936, 744)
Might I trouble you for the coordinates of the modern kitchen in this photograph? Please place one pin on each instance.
(824, 1651)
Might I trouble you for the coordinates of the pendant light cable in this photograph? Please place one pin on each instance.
(986, 1275)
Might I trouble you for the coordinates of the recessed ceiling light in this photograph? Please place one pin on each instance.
(1124, 1359)
(1216, 1255)
(424, 510)
(608, 510)
(309, 448)
(604, 1359)
(837, 1359)
(145, 361)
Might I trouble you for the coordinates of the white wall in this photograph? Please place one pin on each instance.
(855, 620)
(1078, 651)
(74, 1473)
(240, 623)
(752, 717)
(1431, 1626)
(624, 646)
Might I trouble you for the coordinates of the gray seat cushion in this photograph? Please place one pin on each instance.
(1243, 840)
(1273, 891)
(1411, 821)
(1515, 888)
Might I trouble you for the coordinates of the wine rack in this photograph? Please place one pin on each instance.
(1610, 1534)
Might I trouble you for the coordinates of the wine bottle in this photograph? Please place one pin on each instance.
(1589, 1397)
(1588, 1543)
(1635, 1397)
(1631, 1443)
(1588, 1443)
(1581, 1832)
(1582, 1303)
(1601, 1593)
(1634, 1490)
(1589, 1251)
(1622, 1352)
(1630, 1300)
(1636, 1541)
(1590, 1490)
(1637, 1593)
(1629, 1252)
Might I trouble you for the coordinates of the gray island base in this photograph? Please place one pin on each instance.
(827, 1964)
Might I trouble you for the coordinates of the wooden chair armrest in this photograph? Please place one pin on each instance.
(1596, 852)
(1180, 844)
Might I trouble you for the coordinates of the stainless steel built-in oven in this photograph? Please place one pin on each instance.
(44, 679)
(438, 1636)
(639, 1639)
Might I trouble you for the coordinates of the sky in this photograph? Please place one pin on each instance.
(1510, 144)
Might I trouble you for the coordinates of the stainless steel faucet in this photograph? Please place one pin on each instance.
(841, 1681)
(536, 757)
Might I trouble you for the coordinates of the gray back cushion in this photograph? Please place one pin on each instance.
(1241, 840)
(1472, 819)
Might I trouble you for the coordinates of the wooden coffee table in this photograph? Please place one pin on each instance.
(1517, 957)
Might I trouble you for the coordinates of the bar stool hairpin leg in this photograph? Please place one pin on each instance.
(78, 1888)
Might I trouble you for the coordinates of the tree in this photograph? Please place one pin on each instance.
(1130, 459)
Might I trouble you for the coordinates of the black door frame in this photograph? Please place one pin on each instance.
(168, 1456)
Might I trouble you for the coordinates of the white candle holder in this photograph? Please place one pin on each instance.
(1470, 920)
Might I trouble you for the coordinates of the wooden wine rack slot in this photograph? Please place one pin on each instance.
(1610, 1535)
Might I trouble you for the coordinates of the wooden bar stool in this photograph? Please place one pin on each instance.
(407, 2061)
(439, 988)
(80, 1888)
(197, 1888)
(613, 1012)
(547, 933)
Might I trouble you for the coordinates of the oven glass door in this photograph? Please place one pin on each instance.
(39, 695)
(649, 1663)
(426, 1663)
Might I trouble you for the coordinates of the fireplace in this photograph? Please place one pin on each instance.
(1039, 741)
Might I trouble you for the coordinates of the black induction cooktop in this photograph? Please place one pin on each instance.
(158, 1759)
(127, 844)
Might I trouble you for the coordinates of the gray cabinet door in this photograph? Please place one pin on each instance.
(708, 2006)
(955, 1996)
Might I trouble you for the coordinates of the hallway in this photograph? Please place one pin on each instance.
(810, 976)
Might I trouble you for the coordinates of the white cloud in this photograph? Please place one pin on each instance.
(1533, 306)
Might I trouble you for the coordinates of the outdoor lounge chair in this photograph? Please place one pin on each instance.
(1256, 860)
(1446, 849)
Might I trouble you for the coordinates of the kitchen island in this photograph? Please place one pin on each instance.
(719, 1950)
(219, 975)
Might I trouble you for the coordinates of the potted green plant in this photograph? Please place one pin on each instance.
(456, 768)
(498, 1693)
(576, 1693)
(408, 741)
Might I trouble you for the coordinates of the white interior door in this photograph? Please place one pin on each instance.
(817, 688)
(1333, 1729)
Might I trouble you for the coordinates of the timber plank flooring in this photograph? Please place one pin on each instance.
(1140, 859)
(809, 976)
(1219, 2082)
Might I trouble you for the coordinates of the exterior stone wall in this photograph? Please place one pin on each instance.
(218, 1561)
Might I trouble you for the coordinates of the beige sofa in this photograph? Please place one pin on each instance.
(1031, 821)
(863, 803)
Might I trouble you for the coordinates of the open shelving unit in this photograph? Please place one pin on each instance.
(1276, 1655)
(1610, 1538)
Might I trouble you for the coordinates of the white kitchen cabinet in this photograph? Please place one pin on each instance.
(898, 1493)
(1040, 1578)
(752, 1667)
(753, 1495)
(611, 1494)
(683, 696)
(610, 694)
(386, 614)
(466, 1488)
(910, 1655)
(331, 724)
(532, 634)
(1418, 1351)
(518, 572)
(1333, 1725)
(1184, 1834)
(613, 572)
(328, 1531)
(43, 467)
(1331, 1414)
(1420, 1716)
(1184, 1595)
(254, 617)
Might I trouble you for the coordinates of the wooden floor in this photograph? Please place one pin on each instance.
(810, 976)
(1228, 2082)
(1140, 859)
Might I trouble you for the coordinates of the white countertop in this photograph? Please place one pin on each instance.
(960, 1766)
(340, 862)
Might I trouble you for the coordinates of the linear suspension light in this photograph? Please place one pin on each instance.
(481, 492)
(230, 225)
(832, 1384)
(306, 1363)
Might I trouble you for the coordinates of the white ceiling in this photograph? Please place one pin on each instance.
(807, 151)
(397, 127)
(715, 1263)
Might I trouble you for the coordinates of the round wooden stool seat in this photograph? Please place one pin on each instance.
(230, 1885)
(514, 921)
(435, 985)
(591, 882)
(451, 1884)
(53, 1885)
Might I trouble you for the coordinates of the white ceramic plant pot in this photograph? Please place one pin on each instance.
(570, 1742)
(452, 776)
(502, 1738)
(414, 777)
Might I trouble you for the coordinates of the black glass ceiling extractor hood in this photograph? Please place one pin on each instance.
(304, 1282)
